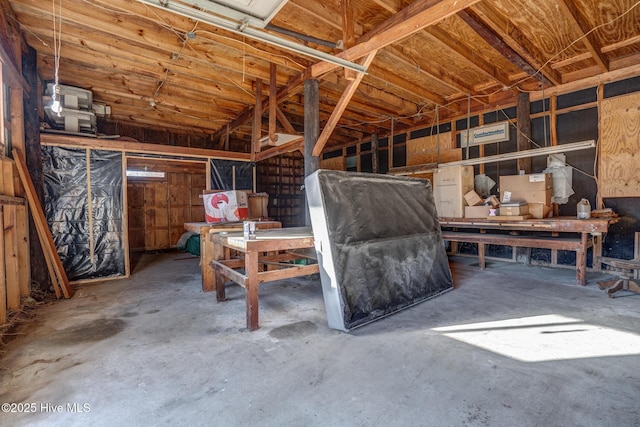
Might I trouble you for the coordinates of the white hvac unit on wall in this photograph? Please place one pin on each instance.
(74, 114)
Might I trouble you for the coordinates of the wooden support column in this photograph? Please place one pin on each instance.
(257, 121)
(348, 34)
(553, 120)
(374, 152)
(39, 272)
(523, 111)
(3, 273)
(273, 106)
(311, 132)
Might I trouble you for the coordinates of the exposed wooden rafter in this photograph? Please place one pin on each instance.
(418, 15)
(575, 19)
(348, 35)
(505, 49)
(340, 107)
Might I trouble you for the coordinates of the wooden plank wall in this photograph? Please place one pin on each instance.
(14, 241)
(158, 208)
(619, 157)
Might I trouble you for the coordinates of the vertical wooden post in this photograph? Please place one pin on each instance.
(374, 152)
(257, 121)
(125, 216)
(523, 110)
(348, 34)
(251, 289)
(600, 97)
(273, 114)
(311, 132)
(553, 121)
(3, 273)
(33, 153)
(22, 224)
(10, 238)
(390, 146)
(3, 143)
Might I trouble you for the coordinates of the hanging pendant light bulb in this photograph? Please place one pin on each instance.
(56, 105)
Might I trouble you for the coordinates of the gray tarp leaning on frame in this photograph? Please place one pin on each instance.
(69, 202)
(378, 242)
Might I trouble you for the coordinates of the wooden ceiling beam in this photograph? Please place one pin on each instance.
(221, 68)
(184, 54)
(138, 147)
(621, 44)
(489, 70)
(350, 122)
(368, 94)
(580, 26)
(511, 44)
(348, 34)
(284, 121)
(331, 124)
(134, 112)
(110, 75)
(418, 15)
(430, 69)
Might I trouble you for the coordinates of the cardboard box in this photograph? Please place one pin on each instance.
(450, 184)
(472, 198)
(258, 205)
(226, 206)
(539, 210)
(492, 201)
(514, 209)
(476, 211)
(533, 188)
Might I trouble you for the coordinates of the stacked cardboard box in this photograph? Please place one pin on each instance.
(535, 189)
(226, 206)
(450, 184)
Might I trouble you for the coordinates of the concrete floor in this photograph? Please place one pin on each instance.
(155, 350)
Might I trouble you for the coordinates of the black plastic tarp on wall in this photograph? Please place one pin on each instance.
(223, 173)
(83, 206)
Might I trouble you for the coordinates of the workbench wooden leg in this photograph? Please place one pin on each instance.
(219, 280)
(597, 252)
(581, 262)
(481, 252)
(251, 289)
(206, 256)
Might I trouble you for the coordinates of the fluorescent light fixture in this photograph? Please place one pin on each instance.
(145, 174)
(255, 13)
(244, 28)
(544, 151)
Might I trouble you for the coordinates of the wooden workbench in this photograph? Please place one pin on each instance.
(271, 248)
(208, 250)
(550, 233)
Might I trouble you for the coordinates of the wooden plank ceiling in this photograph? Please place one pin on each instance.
(161, 70)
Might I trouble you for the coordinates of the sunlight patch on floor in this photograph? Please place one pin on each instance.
(544, 338)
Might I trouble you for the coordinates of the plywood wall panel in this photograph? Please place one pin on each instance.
(425, 150)
(619, 158)
(334, 163)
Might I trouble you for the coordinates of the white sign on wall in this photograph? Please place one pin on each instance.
(496, 132)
